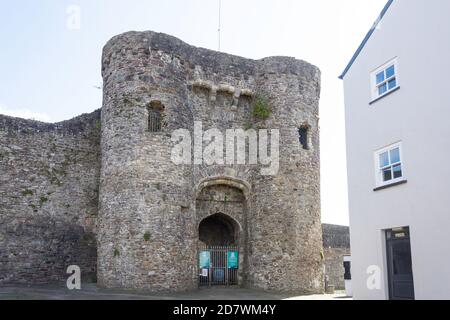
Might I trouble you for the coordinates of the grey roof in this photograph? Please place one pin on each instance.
(369, 34)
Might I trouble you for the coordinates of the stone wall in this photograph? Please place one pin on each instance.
(143, 192)
(336, 244)
(49, 177)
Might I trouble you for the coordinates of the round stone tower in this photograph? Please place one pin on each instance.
(285, 222)
(146, 222)
(155, 214)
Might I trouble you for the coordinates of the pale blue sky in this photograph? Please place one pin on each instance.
(49, 72)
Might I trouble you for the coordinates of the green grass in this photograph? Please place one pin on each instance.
(261, 108)
(27, 192)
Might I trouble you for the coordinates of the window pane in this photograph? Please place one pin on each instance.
(380, 77)
(397, 171)
(401, 258)
(390, 72)
(395, 155)
(387, 174)
(384, 160)
(382, 89)
(392, 84)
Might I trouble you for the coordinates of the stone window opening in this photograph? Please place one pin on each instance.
(303, 134)
(155, 116)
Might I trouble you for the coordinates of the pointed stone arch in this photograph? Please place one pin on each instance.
(221, 211)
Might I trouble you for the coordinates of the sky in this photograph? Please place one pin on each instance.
(50, 58)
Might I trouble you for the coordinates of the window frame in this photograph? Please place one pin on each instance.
(373, 79)
(379, 170)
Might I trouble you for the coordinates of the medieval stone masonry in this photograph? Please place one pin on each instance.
(336, 245)
(101, 191)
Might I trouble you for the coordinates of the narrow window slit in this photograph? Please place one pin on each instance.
(155, 110)
(303, 137)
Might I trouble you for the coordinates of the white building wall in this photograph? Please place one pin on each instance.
(418, 114)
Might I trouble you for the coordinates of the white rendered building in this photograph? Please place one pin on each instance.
(397, 101)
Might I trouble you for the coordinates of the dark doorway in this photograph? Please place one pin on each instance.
(218, 251)
(401, 284)
(218, 230)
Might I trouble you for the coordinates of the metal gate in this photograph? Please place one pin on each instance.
(218, 265)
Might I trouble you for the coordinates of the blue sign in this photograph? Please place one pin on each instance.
(233, 260)
(205, 260)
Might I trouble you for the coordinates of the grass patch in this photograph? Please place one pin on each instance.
(261, 108)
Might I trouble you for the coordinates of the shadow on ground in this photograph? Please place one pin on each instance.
(92, 292)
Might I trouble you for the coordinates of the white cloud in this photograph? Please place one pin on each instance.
(25, 114)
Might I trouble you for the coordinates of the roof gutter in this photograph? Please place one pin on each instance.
(369, 34)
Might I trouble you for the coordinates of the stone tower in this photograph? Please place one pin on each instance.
(153, 213)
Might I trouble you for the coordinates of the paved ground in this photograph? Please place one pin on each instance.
(91, 292)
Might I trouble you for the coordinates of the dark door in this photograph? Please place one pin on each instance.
(401, 284)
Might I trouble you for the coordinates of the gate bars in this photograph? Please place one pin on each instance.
(215, 268)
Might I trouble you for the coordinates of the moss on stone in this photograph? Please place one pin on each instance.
(248, 126)
(43, 200)
(3, 154)
(27, 192)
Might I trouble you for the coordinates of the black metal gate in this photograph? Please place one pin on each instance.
(218, 265)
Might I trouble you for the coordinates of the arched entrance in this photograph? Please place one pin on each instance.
(218, 250)
(221, 214)
(219, 230)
